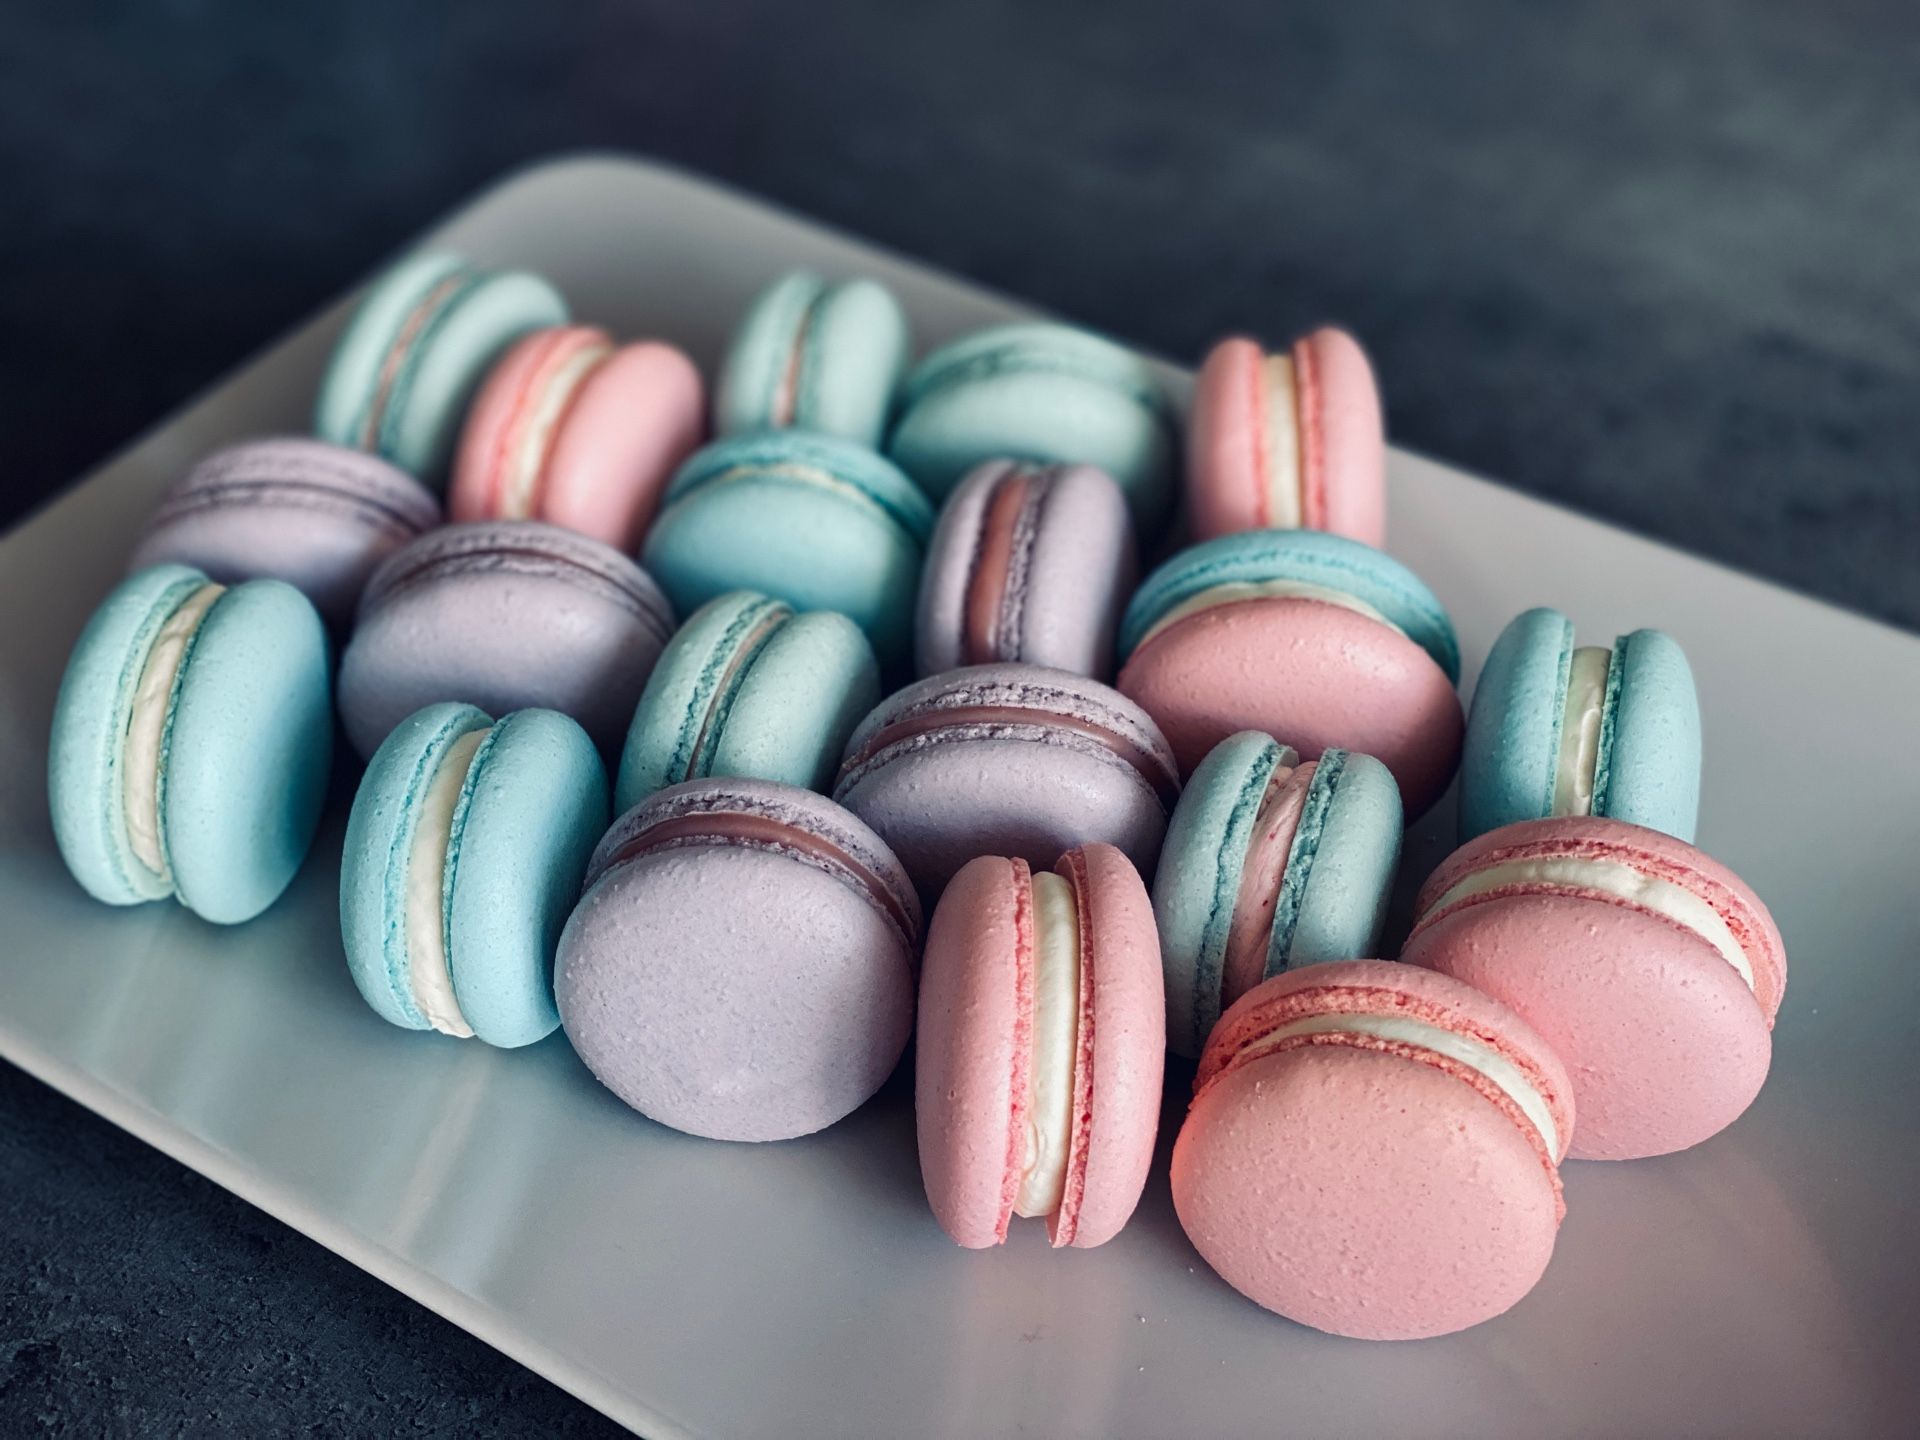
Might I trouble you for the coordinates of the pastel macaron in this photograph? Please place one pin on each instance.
(819, 522)
(1039, 1048)
(407, 365)
(505, 615)
(465, 849)
(320, 517)
(749, 687)
(1559, 729)
(1028, 562)
(1288, 440)
(1013, 760)
(578, 431)
(815, 354)
(1314, 638)
(742, 964)
(191, 742)
(1040, 392)
(1269, 864)
(1373, 1150)
(1652, 969)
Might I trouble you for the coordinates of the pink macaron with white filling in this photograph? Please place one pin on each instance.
(1041, 1036)
(1373, 1150)
(1287, 440)
(577, 431)
(1651, 968)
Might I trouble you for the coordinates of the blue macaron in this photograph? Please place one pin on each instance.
(464, 855)
(1268, 865)
(812, 354)
(747, 687)
(1561, 730)
(1040, 392)
(407, 365)
(191, 741)
(814, 520)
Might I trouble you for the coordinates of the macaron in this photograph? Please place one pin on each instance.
(748, 687)
(1561, 730)
(742, 964)
(1652, 970)
(506, 615)
(1373, 1150)
(416, 349)
(1039, 1048)
(191, 740)
(1290, 440)
(1040, 392)
(816, 521)
(815, 354)
(317, 516)
(1314, 638)
(1269, 864)
(465, 849)
(1013, 760)
(1027, 563)
(571, 429)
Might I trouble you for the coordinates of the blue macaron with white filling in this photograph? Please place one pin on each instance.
(464, 854)
(1559, 730)
(1269, 864)
(191, 742)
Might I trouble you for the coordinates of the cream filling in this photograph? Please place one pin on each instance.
(1580, 731)
(1056, 1041)
(1404, 1030)
(522, 487)
(1282, 440)
(429, 976)
(1235, 590)
(1610, 877)
(147, 729)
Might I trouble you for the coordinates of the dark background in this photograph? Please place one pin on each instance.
(1656, 261)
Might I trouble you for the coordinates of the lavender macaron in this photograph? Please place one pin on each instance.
(742, 964)
(1028, 562)
(1014, 760)
(320, 517)
(504, 615)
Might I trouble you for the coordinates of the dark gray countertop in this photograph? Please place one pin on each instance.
(1655, 262)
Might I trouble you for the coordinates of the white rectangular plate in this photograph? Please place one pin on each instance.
(1765, 1283)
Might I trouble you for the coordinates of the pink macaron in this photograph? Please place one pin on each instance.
(1289, 440)
(1652, 969)
(574, 430)
(1041, 1035)
(1373, 1150)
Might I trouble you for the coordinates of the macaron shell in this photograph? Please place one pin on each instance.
(1512, 750)
(534, 806)
(1653, 776)
(247, 751)
(499, 406)
(354, 368)
(1313, 675)
(859, 349)
(1348, 876)
(760, 352)
(1123, 1041)
(1225, 489)
(805, 693)
(1349, 437)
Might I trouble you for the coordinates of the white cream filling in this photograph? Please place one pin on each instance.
(429, 976)
(1404, 1030)
(1235, 590)
(1285, 503)
(147, 729)
(1056, 1040)
(522, 487)
(1611, 877)
(1573, 773)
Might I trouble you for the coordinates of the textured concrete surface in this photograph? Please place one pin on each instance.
(1654, 261)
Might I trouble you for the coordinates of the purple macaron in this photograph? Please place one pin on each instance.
(1014, 760)
(320, 517)
(742, 963)
(1029, 562)
(505, 615)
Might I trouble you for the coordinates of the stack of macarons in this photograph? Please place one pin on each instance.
(744, 760)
